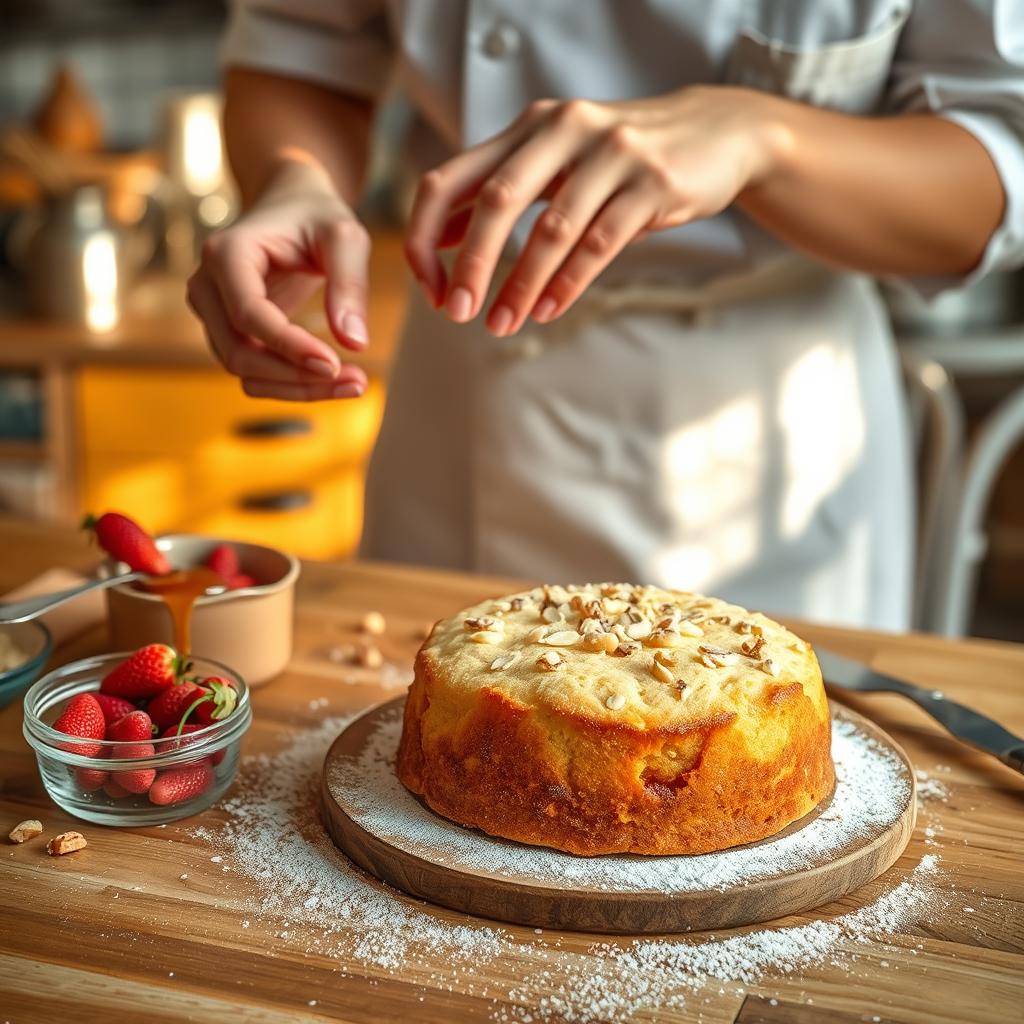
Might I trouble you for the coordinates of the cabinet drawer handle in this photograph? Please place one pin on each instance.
(277, 501)
(291, 427)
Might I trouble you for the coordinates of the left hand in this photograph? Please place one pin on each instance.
(610, 172)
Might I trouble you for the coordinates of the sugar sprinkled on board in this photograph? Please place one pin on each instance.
(302, 889)
(872, 789)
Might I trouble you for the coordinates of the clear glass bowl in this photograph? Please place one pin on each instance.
(70, 777)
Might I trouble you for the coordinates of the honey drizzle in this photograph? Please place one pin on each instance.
(179, 591)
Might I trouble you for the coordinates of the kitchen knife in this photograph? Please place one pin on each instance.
(967, 725)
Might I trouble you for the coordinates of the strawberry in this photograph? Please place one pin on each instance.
(125, 541)
(113, 707)
(223, 559)
(137, 726)
(115, 790)
(134, 780)
(224, 699)
(176, 740)
(144, 674)
(91, 779)
(176, 785)
(82, 717)
(240, 580)
(171, 706)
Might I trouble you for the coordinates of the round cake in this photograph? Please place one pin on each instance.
(611, 718)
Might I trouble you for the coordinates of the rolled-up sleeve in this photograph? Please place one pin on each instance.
(343, 44)
(964, 61)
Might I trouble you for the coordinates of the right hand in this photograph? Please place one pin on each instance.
(255, 273)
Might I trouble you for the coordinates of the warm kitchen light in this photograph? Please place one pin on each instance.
(203, 163)
(99, 280)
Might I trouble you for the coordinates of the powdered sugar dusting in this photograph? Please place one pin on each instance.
(310, 896)
(872, 790)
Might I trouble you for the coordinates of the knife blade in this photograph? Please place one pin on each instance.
(963, 722)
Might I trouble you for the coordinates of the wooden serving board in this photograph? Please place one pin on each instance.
(407, 860)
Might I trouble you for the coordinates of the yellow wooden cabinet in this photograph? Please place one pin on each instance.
(185, 449)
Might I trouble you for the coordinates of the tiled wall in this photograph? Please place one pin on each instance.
(127, 72)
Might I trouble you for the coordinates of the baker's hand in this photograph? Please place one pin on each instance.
(256, 272)
(610, 172)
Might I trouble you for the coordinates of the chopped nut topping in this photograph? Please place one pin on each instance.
(687, 627)
(663, 657)
(487, 636)
(537, 634)
(482, 623)
(744, 627)
(552, 614)
(500, 607)
(591, 626)
(516, 604)
(770, 667)
(715, 657)
(615, 702)
(722, 620)
(664, 638)
(679, 686)
(66, 842)
(661, 672)
(25, 830)
(373, 623)
(503, 661)
(625, 649)
(549, 661)
(562, 638)
(638, 630)
(606, 642)
(613, 606)
(752, 648)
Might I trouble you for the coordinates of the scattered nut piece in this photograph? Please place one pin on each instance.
(551, 614)
(661, 672)
(752, 648)
(624, 650)
(615, 702)
(368, 655)
(482, 624)
(537, 634)
(502, 661)
(606, 642)
(666, 658)
(638, 630)
(549, 661)
(373, 623)
(25, 830)
(664, 638)
(66, 842)
(687, 627)
(562, 638)
(716, 656)
(487, 636)
(770, 667)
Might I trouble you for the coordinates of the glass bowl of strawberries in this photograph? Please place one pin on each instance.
(137, 739)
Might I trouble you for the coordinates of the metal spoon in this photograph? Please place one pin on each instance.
(31, 608)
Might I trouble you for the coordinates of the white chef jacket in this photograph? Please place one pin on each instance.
(688, 426)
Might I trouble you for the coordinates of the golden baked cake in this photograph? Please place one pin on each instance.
(613, 718)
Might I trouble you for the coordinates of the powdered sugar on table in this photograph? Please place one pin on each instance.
(291, 883)
(872, 789)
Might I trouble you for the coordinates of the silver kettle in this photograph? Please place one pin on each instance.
(79, 262)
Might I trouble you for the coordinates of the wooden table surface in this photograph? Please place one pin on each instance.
(112, 933)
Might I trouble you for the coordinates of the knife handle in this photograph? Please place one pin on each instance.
(1015, 758)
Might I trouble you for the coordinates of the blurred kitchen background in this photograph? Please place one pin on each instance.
(111, 174)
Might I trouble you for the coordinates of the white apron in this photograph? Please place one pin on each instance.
(721, 440)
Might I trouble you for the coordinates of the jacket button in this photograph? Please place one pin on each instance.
(502, 41)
